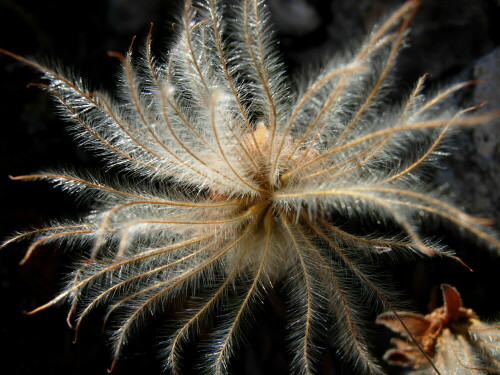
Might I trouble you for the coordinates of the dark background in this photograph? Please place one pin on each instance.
(447, 40)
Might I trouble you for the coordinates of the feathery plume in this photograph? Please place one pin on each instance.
(237, 181)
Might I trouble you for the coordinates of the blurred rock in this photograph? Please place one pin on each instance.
(294, 16)
(130, 16)
(445, 36)
(473, 170)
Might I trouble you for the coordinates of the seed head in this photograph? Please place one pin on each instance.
(236, 181)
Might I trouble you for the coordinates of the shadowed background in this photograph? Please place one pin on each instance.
(452, 40)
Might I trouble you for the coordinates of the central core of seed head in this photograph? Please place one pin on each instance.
(262, 145)
(259, 150)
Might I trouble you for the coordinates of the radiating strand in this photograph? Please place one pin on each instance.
(410, 5)
(308, 288)
(191, 51)
(135, 95)
(188, 31)
(431, 124)
(353, 329)
(173, 105)
(413, 96)
(155, 78)
(489, 346)
(265, 80)
(118, 258)
(48, 229)
(340, 165)
(311, 90)
(387, 65)
(489, 351)
(75, 115)
(466, 350)
(378, 146)
(229, 279)
(380, 202)
(124, 327)
(184, 276)
(213, 124)
(157, 251)
(106, 109)
(166, 100)
(260, 69)
(115, 209)
(427, 199)
(352, 237)
(346, 72)
(139, 257)
(321, 116)
(138, 276)
(36, 244)
(242, 146)
(480, 234)
(368, 49)
(429, 150)
(127, 128)
(229, 79)
(441, 96)
(125, 228)
(51, 73)
(108, 145)
(417, 241)
(187, 124)
(352, 266)
(253, 210)
(419, 161)
(81, 181)
(219, 362)
(144, 290)
(129, 73)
